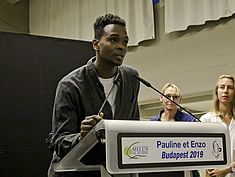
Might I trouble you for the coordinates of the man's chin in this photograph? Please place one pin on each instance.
(118, 63)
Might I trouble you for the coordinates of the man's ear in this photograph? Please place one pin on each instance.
(95, 44)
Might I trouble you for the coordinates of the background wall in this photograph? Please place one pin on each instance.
(31, 67)
(14, 16)
(192, 59)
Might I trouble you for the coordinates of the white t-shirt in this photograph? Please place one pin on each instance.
(110, 86)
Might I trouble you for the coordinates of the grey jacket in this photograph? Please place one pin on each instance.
(80, 94)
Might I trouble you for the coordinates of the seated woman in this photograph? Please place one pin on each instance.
(171, 112)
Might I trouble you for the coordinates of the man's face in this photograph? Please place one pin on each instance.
(112, 46)
(171, 93)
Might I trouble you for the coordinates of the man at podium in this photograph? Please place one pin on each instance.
(103, 88)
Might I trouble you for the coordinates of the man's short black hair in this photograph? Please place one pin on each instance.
(105, 20)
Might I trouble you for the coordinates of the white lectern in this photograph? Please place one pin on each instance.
(133, 147)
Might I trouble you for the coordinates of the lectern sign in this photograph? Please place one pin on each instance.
(176, 149)
(151, 146)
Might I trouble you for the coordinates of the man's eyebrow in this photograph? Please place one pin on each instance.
(117, 35)
(114, 34)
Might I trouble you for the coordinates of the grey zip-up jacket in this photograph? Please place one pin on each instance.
(81, 94)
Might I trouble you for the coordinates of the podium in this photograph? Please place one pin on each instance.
(133, 147)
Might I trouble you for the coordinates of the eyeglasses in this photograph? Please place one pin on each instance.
(173, 97)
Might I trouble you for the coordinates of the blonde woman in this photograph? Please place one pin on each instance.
(223, 110)
(170, 112)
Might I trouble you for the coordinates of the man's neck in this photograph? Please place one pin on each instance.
(104, 71)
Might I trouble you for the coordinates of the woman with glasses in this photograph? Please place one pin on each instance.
(223, 110)
(171, 112)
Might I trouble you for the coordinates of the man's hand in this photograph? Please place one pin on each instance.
(88, 123)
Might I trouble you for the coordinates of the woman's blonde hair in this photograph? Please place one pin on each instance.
(173, 86)
(215, 100)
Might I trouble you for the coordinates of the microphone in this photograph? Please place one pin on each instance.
(146, 83)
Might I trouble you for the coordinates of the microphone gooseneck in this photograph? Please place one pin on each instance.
(146, 83)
